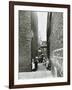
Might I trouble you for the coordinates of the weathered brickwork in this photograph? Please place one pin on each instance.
(57, 63)
(56, 42)
(28, 39)
(24, 41)
(56, 37)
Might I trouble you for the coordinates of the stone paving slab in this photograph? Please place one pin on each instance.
(41, 72)
(36, 74)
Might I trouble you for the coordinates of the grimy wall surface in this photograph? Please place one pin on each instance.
(34, 27)
(55, 42)
(24, 41)
(28, 39)
(56, 36)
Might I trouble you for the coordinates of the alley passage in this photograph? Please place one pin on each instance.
(41, 72)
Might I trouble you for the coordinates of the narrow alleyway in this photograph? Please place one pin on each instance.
(41, 72)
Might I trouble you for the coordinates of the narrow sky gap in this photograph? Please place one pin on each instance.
(42, 25)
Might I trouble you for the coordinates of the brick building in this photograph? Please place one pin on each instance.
(26, 37)
(55, 41)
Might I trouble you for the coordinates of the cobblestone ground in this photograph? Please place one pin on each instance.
(42, 72)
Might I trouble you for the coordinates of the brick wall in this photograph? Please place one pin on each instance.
(55, 42)
(56, 36)
(24, 41)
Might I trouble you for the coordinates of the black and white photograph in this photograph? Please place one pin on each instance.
(41, 44)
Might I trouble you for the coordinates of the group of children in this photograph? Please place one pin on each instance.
(43, 60)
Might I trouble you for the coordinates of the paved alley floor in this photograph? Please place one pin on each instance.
(41, 67)
(42, 72)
